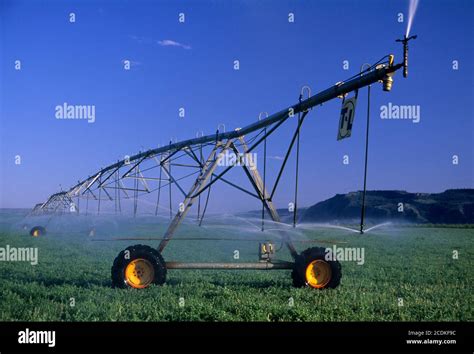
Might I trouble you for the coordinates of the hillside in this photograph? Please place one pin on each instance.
(453, 206)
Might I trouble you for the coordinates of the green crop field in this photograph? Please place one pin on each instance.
(409, 274)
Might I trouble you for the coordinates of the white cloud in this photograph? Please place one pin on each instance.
(171, 43)
(163, 43)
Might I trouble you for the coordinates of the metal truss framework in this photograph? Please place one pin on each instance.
(157, 170)
(56, 202)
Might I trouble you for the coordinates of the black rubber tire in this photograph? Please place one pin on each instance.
(41, 231)
(138, 251)
(306, 257)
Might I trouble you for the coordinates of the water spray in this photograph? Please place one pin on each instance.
(411, 15)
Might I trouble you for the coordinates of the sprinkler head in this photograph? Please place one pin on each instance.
(405, 52)
(405, 39)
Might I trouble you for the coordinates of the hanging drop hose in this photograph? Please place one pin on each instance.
(170, 191)
(201, 163)
(295, 207)
(264, 194)
(100, 190)
(264, 187)
(205, 205)
(135, 193)
(362, 215)
(159, 190)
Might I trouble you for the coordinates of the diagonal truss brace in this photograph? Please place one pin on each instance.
(257, 182)
(206, 172)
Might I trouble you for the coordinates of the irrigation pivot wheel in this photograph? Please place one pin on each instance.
(138, 267)
(37, 231)
(313, 270)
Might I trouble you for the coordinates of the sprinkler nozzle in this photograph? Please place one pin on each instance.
(405, 52)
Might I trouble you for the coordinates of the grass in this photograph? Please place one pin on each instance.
(414, 264)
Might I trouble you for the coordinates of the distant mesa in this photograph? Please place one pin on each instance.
(453, 206)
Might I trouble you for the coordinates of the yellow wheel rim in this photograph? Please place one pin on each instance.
(318, 274)
(139, 273)
(36, 233)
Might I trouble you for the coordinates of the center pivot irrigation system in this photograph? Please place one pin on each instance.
(156, 171)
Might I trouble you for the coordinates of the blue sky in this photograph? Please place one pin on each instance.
(82, 63)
